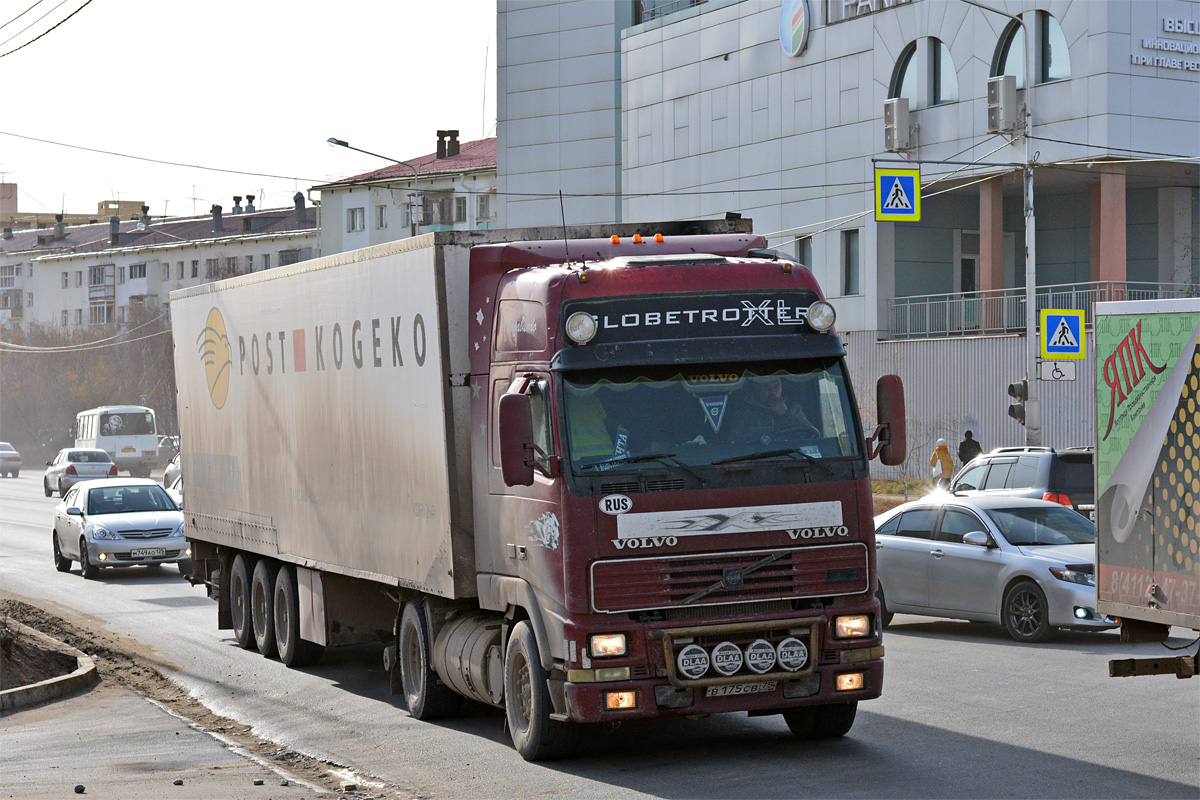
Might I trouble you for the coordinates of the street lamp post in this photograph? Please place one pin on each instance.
(416, 176)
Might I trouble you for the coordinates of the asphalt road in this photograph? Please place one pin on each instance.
(965, 711)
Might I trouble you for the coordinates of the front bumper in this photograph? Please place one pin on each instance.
(1065, 598)
(118, 553)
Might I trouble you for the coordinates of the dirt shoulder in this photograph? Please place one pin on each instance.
(127, 662)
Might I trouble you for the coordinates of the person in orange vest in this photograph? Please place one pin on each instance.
(941, 465)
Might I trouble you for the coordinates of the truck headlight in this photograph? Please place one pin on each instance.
(855, 627)
(820, 316)
(581, 327)
(606, 645)
(1073, 576)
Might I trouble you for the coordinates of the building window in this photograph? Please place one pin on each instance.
(289, 256)
(249, 263)
(904, 80)
(850, 262)
(99, 314)
(7, 277)
(121, 314)
(29, 300)
(804, 251)
(210, 268)
(66, 282)
(460, 209)
(231, 265)
(196, 268)
(79, 316)
(137, 271)
(484, 207)
(945, 79)
(381, 217)
(1056, 59)
(64, 318)
(355, 220)
(79, 282)
(179, 270)
(166, 271)
(266, 260)
(1010, 57)
(409, 210)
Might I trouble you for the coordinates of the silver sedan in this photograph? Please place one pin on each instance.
(74, 465)
(1027, 564)
(118, 523)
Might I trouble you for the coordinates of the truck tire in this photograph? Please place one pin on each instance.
(527, 705)
(427, 697)
(293, 651)
(821, 722)
(239, 600)
(262, 612)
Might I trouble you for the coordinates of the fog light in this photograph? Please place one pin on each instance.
(103, 556)
(855, 627)
(581, 327)
(850, 681)
(620, 701)
(187, 551)
(1082, 613)
(607, 644)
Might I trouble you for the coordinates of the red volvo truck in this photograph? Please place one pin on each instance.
(594, 478)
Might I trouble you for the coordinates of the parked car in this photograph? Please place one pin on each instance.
(118, 523)
(168, 448)
(74, 464)
(1060, 476)
(1026, 564)
(10, 460)
(172, 471)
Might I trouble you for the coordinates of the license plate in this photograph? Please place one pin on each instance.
(128, 449)
(149, 552)
(740, 688)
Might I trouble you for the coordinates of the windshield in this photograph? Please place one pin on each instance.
(1043, 525)
(641, 417)
(122, 499)
(126, 423)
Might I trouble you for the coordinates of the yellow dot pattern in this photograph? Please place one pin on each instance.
(1175, 490)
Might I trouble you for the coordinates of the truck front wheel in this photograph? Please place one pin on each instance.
(424, 693)
(239, 600)
(821, 722)
(527, 704)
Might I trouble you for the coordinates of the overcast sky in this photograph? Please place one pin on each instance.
(254, 86)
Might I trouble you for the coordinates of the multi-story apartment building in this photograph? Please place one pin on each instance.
(95, 274)
(453, 188)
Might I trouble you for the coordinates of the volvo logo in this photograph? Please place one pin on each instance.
(215, 354)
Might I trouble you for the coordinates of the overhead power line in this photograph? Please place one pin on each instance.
(23, 13)
(40, 35)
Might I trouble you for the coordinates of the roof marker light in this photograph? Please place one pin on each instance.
(616, 239)
(637, 238)
(658, 237)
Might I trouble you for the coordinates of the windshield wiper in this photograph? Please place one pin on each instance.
(667, 458)
(791, 452)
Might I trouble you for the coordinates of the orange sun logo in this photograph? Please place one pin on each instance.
(213, 344)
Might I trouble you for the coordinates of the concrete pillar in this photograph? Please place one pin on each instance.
(1108, 232)
(991, 234)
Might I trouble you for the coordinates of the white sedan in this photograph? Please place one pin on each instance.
(1026, 564)
(118, 523)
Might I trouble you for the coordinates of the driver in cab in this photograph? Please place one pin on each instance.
(764, 412)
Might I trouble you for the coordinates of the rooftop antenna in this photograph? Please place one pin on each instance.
(566, 246)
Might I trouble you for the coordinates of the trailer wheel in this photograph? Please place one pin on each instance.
(527, 705)
(262, 591)
(293, 651)
(821, 722)
(239, 600)
(427, 697)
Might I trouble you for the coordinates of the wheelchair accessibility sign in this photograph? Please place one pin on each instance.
(1062, 333)
(898, 195)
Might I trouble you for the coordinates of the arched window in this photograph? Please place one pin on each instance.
(1010, 56)
(1056, 60)
(904, 79)
(945, 78)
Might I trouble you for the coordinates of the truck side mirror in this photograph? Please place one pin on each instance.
(889, 441)
(516, 433)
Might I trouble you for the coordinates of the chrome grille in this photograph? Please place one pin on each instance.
(151, 533)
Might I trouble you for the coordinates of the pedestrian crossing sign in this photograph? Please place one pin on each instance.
(898, 195)
(1062, 333)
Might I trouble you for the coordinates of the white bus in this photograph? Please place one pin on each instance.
(127, 433)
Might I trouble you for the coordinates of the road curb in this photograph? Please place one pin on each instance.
(84, 676)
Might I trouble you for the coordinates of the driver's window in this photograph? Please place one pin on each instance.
(957, 523)
(538, 392)
(970, 478)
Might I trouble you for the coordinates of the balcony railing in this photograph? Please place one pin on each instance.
(1003, 310)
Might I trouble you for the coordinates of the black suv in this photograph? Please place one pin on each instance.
(1062, 476)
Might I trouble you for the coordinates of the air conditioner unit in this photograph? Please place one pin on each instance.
(1002, 103)
(895, 124)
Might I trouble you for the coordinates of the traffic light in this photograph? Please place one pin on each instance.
(1019, 391)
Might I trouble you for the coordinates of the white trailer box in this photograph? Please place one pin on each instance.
(324, 413)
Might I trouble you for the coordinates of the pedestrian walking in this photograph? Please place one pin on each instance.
(968, 448)
(941, 465)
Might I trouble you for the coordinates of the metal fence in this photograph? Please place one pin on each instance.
(1003, 310)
